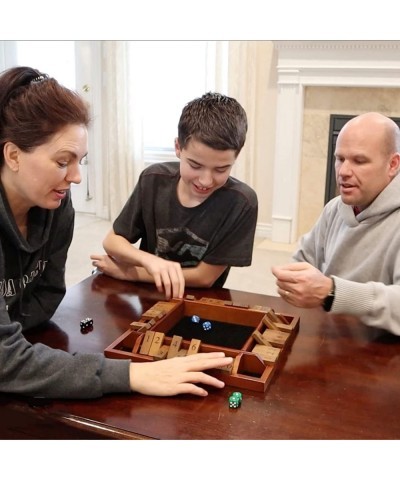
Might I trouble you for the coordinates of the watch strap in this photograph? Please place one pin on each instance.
(328, 300)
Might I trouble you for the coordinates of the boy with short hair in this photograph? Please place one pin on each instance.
(194, 220)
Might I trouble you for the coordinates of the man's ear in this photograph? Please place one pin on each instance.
(395, 164)
(11, 156)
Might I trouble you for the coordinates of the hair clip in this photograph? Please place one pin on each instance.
(39, 79)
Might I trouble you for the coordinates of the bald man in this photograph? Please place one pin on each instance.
(349, 263)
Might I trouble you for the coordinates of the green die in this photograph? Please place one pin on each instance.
(235, 400)
(238, 395)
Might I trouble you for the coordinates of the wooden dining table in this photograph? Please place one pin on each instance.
(338, 380)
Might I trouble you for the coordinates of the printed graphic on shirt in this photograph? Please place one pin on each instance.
(10, 286)
(180, 245)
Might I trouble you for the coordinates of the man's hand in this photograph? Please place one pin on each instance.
(301, 284)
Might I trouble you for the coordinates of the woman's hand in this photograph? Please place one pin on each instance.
(177, 375)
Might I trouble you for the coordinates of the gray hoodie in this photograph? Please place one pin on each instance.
(363, 255)
(31, 287)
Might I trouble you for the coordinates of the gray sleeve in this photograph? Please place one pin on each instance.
(38, 370)
(374, 303)
(311, 245)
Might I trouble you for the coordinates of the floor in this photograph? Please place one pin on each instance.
(90, 231)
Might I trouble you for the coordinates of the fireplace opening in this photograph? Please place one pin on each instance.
(335, 125)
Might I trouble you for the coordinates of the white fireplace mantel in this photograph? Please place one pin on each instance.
(317, 63)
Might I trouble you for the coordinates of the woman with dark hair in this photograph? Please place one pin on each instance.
(43, 139)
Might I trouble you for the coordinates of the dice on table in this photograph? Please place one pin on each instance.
(235, 400)
(87, 322)
(206, 325)
(238, 395)
(195, 319)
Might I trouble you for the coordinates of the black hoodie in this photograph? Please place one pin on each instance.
(32, 286)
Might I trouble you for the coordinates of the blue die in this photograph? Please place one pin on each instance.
(195, 319)
(207, 325)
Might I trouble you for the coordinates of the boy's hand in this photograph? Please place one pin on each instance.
(167, 275)
(107, 265)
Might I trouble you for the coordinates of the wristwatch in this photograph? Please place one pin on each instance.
(328, 300)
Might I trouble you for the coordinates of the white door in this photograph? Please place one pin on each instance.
(74, 64)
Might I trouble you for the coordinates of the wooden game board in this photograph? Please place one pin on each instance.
(255, 361)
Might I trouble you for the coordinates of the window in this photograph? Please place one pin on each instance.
(168, 74)
(56, 58)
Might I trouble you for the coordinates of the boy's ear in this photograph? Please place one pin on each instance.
(177, 148)
(11, 156)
